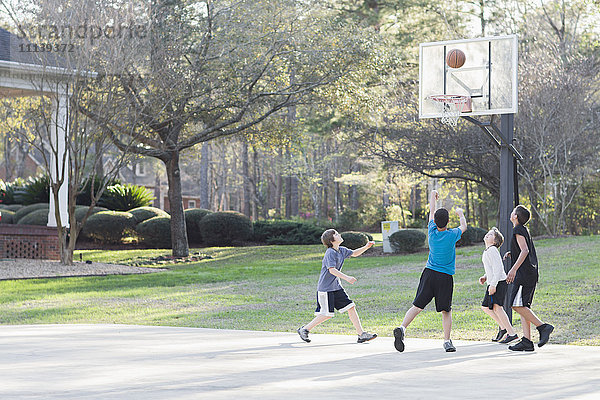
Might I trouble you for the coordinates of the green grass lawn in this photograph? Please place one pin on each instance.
(274, 288)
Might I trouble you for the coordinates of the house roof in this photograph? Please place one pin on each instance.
(20, 50)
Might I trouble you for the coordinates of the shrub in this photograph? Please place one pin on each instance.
(109, 226)
(287, 232)
(8, 217)
(125, 197)
(34, 190)
(193, 216)
(38, 217)
(270, 228)
(80, 211)
(224, 228)
(31, 208)
(407, 240)
(7, 191)
(156, 232)
(85, 195)
(354, 240)
(13, 207)
(471, 236)
(305, 234)
(143, 213)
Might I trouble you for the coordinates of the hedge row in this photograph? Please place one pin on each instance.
(411, 240)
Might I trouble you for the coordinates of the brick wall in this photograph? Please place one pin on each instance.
(186, 202)
(29, 241)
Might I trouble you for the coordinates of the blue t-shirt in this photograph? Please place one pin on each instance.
(335, 259)
(442, 248)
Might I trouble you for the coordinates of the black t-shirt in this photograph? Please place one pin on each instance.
(527, 274)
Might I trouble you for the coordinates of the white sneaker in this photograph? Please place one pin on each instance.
(365, 337)
(303, 334)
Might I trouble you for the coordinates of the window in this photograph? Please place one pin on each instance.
(140, 169)
(191, 203)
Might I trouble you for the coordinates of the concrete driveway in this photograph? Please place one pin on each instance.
(149, 362)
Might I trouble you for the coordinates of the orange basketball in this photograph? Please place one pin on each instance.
(455, 58)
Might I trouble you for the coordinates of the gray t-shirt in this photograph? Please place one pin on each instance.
(335, 259)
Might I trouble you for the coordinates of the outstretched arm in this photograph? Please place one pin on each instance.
(433, 203)
(360, 250)
(463, 220)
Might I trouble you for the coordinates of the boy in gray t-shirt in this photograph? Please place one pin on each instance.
(330, 293)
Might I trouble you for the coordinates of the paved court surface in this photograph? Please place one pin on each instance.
(140, 362)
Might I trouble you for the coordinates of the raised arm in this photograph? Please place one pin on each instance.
(463, 220)
(433, 203)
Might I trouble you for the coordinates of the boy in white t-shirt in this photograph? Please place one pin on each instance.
(495, 276)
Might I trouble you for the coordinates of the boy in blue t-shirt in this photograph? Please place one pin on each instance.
(330, 293)
(436, 279)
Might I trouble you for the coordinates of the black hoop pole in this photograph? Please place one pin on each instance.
(508, 183)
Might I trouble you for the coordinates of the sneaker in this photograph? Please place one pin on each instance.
(449, 347)
(500, 335)
(524, 345)
(509, 338)
(303, 334)
(545, 330)
(365, 337)
(399, 339)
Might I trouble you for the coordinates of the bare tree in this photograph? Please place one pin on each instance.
(218, 69)
(63, 70)
(556, 126)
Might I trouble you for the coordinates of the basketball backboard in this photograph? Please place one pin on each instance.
(488, 76)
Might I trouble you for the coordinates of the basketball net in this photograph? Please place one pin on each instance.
(450, 106)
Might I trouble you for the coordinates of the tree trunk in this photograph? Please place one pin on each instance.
(204, 163)
(21, 156)
(179, 241)
(7, 161)
(353, 197)
(66, 258)
(467, 210)
(99, 165)
(483, 218)
(157, 193)
(353, 190)
(75, 227)
(288, 196)
(294, 196)
(258, 197)
(279, 186)
(325, 212)
(246, 180)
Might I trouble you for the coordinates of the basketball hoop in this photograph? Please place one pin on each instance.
(450, 106)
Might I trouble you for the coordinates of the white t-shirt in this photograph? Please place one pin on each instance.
(492, 263)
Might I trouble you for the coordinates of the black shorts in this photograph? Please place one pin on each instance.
(496, 298)
(434, 284)
(521, 296)
(328, 301)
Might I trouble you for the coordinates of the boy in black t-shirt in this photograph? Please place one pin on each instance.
(524, 276)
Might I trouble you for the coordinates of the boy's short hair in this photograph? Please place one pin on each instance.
(523, 214)
(327, 237)
(441, 218)
(498, 237)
